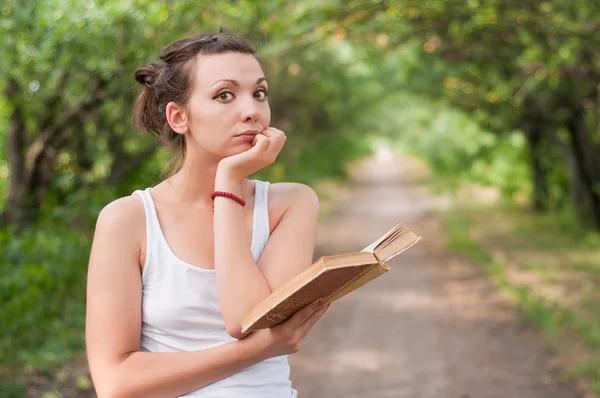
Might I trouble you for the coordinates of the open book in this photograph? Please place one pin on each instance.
(330, 278)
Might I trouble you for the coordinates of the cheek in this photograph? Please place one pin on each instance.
(205, 116)
(266, 115)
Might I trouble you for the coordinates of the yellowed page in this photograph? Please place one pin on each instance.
(378, 241)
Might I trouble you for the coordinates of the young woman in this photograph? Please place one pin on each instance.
(174, 268)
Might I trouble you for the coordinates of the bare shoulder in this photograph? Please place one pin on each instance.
(126, 212)
(123, 223)
(284, 196)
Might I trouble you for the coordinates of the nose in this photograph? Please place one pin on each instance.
(250, 110)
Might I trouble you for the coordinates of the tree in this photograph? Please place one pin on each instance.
(526, 65)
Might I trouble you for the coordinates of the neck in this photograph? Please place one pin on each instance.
(196, 181)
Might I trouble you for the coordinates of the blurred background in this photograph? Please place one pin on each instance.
(498, 100)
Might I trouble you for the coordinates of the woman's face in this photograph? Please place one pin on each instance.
(229, 97)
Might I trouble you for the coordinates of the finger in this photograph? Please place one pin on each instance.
(260, 143)
(271, 131)
(311, 321)
(277, 139)
(303, 314)
(274, 133)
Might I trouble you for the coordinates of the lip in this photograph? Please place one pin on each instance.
(246, 137)
(248, 133)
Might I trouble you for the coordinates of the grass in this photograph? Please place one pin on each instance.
(548, 266)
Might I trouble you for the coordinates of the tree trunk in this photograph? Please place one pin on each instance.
(534, 137)
(31, 168)
(577, 190)
(124, 165)
(588, 166)
(14, 211)
(598, 112)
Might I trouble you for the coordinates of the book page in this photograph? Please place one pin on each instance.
(396, 244)
(373, 245)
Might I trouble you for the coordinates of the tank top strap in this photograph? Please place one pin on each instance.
(260, 223)
(152, 224)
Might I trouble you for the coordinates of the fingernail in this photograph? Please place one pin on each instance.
(320, 302)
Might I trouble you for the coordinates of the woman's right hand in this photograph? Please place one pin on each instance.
(265, 148)
(286, 338)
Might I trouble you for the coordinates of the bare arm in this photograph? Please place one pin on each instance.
(241, 282)
(170, 374)
(291, 246)
(113, 321)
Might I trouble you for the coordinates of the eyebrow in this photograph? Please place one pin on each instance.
(236, 83)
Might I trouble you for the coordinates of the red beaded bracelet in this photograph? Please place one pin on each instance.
(228, 195)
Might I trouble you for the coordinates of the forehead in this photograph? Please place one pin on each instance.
(241, 67)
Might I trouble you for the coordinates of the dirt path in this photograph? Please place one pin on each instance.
(432, 326)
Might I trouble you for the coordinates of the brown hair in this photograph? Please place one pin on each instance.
(170, 79)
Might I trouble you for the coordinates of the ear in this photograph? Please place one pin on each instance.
(177, 118)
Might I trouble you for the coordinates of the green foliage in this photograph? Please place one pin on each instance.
(42, 287)
(75, 90)
(458, 83)
(13, 390)
(457, 148)
(511, 67)
(73, 65)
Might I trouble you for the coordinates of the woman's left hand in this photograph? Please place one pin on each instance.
(265, 148)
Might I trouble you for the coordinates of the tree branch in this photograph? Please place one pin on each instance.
(125, 165)
(52, 100)
(49, 135)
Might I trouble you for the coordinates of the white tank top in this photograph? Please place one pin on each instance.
(180, 309)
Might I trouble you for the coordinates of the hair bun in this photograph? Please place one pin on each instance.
(147, 74)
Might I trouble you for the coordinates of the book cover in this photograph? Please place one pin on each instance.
(330, 278)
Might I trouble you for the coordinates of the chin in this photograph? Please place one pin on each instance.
(238, 149)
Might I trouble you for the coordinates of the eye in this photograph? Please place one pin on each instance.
(224, 96)
(262, 94)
